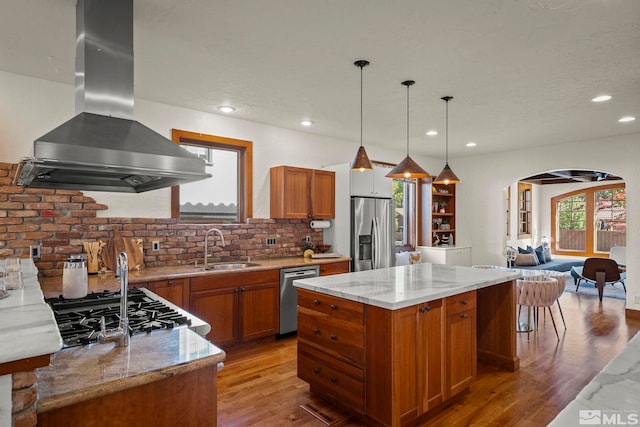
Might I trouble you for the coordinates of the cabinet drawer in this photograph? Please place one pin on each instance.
(167, 283)
(334, 268)
(336, 307)
(461, 302)
(340, 338)
(339, 380)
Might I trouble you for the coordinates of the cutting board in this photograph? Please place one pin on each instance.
(113, 247)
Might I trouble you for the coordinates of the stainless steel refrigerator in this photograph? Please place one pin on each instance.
(372, 233)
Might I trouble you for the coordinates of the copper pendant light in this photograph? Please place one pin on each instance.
(408, 168)
(361, 161)
(447, 176)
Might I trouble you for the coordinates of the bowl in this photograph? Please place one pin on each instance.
(323, 248)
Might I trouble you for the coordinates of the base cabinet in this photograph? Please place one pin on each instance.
(239, 306)
(173, 290)
(415, 359)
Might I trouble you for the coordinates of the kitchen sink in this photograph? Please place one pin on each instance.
(231, 265)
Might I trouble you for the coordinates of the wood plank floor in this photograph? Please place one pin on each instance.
(259, 387)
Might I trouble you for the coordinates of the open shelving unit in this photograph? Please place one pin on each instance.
(443, 211)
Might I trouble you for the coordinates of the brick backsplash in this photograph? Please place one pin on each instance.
(61, 220)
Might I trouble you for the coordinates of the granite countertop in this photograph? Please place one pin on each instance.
(27, 326)
(398, 287)
(613, 394)
(52, 286)
(78, 374)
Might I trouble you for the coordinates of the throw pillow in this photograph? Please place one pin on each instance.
(526, 260)
(547, 254)
(524, 250)
(415, 258)
(540, 254)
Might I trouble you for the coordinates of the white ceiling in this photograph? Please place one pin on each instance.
(522, 73)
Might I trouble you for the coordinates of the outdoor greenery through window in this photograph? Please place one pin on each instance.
(226, 196)
(404, 198)
(572, 214)
(590, 221)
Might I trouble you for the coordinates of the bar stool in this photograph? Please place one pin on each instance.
(542, 292)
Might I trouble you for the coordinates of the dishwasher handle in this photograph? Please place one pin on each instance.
(300, 274)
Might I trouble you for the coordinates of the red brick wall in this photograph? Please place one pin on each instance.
(61, 220)
(24, 395)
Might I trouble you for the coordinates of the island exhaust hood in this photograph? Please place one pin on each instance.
(102, 148)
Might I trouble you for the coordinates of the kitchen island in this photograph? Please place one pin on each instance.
(395, 345)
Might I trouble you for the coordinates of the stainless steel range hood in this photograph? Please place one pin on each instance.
(102, 148)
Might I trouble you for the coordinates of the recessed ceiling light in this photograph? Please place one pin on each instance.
(601, 98)
(226, 109)
(432, 132)
(471, 144)
(626, 119)
(306, 123)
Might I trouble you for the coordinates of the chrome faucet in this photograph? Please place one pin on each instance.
(206, 243)
(120, 335)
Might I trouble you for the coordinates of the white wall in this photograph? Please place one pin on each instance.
(31, 107)
(480, 202)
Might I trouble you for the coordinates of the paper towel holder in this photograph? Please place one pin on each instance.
(320, 224)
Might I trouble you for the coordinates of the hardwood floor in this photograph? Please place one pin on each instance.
(259, 387)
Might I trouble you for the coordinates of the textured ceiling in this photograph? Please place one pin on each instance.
(522, 73)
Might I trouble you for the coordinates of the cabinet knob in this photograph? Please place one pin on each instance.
(316, 331)
(425, 309)
(316, 302)
(316, 370)
(334, 307)
(236, 290)
(463, 302)
(334, 380)
(242, 289)
(464, 315)
(171, 283)
(334, 338)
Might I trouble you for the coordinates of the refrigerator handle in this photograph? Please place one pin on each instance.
(375, 238)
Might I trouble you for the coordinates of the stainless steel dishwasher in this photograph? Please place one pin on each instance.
(289, 295)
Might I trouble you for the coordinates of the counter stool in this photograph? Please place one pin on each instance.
(538, 293)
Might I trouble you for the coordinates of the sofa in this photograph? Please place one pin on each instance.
(555, 265)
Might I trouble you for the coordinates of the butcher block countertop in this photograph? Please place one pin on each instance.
(52, 286)
(82, 373)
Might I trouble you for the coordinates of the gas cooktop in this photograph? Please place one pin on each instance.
(79, 319)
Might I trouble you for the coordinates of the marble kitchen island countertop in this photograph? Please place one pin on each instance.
(399, 287)
(613, 394)
(82, 373)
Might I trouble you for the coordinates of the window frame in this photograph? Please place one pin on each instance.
(525, 189)
(589, 220)
(245, 173)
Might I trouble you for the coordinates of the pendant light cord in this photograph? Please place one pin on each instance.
(407, 120)
(446, 99)
(361, 105)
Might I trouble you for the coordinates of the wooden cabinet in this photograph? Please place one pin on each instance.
(414, 359)
(331, 347)
(302, 193)
(443, 213)
(450, 255)
(238, 306)
(334, 268)
(461, 342)
(372, 183)
(173, 290)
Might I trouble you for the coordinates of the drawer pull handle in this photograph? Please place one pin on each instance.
(316, 331)
(334, 307)
(334, 338)
(464, 315)
(316, 370)
(463, 302)
(316, 302)
(334, 380)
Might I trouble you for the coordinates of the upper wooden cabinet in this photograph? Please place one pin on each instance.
(302, 193)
